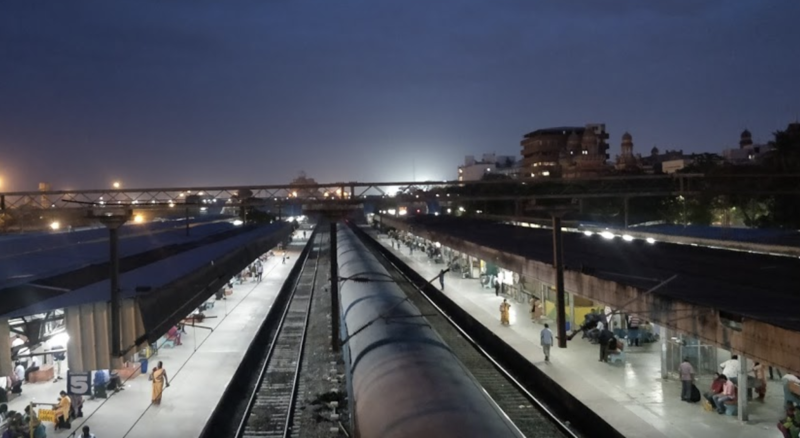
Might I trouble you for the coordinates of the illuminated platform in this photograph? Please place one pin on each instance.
(199, 370)
(632, 397)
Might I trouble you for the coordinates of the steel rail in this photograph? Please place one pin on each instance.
(241, 430)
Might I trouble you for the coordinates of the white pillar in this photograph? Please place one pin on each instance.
(663, 335)
(742, 395)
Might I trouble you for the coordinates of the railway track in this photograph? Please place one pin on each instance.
(528, 413)
(270, 409)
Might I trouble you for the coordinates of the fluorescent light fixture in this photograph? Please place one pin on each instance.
(607, 235)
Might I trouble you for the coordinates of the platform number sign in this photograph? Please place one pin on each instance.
(79, 383)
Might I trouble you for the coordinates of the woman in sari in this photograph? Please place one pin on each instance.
(63, 410)
(159, 378)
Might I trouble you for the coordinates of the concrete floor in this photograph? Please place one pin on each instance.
(631, 396)
(199, 370)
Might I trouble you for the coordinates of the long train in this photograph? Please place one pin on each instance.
(404, 381)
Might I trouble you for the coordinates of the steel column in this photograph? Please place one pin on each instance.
(626, 202)
(662, 333)
(334, 290)
(742, 388)
(115, 328)
(559, 265)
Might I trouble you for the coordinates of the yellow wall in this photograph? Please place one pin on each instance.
(580, 312)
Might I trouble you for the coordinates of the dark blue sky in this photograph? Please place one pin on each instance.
(196, 92)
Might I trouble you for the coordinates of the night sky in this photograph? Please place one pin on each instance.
(164, 93)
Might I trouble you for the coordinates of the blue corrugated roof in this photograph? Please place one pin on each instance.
(66, 252)
(154, 275)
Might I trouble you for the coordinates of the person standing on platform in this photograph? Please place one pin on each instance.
(686, 372)
(730, 368)
(633, 330)
(604, 338)
(761, 380)
(496, 286)
(20, 372)
(160, 381)
(441, 279)
(504, 312)
(546, 337)
(86, 433)
(283, 261)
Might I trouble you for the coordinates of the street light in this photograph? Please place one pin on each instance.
(117, 184)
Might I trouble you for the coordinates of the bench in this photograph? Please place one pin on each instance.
(43, 374)
(128, 373)
(616, 356)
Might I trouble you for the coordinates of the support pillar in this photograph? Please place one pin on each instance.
(334, 290)
(115, 297)
(663, 335)
(626, 202)
(6, 366)
(742, 388)
(113, 220)
(572, 311)
(559, 265)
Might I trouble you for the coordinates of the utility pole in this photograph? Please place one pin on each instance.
(113, 220)
(334, 290)
(558, 262)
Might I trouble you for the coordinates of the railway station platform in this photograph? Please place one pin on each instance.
(631, 396)
(199, 369)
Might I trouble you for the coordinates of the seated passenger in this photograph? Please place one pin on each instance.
(114, 382)
(34, 366)
(716, 387)
(728, 394)
(100, 381)
(63, 411)
(174, 335)
(790, 424)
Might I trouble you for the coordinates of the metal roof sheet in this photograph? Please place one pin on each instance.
(757, 286)
(154, 275)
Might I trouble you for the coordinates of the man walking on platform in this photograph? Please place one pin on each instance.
(441, 279)
(546, 337)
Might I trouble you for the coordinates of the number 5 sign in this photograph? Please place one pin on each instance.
(79, 383)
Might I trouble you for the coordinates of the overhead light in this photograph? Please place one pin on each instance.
(607, 235)
(627, 237)
(138, 219)
(237, 222)
(650, 240)
(588, 233)
(55, 225)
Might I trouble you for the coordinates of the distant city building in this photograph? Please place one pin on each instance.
(747, 152)
(567, 152)
(627, 161)
(672, 166)
(653, 163)
(474, 170)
